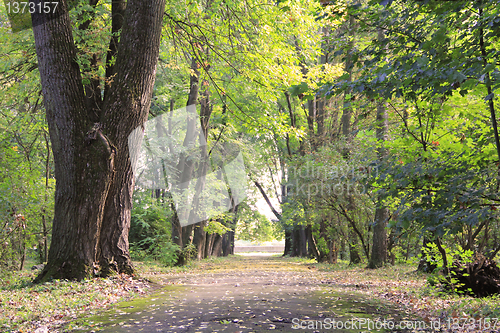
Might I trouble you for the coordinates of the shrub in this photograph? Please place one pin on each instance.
(150, 230)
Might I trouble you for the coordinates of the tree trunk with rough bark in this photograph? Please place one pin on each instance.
(379, 247)
(228, 240)
(91, 158)
(228, 244)
(311, 245)
(217, 246)
(199, 239)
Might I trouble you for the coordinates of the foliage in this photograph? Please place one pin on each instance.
(26, 184)
(429, 49)
(216, 227)
(444, 194)
(457, 256)
(189, 252)
(166, 252)
(91, 32)
(150, 230)
(433, 65)
(26, 175)
(255, 227)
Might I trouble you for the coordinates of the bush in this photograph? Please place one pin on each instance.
(150, 230)
(166, 253)
(189, 252)
(446, 277)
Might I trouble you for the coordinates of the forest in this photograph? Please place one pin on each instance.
(135, 131)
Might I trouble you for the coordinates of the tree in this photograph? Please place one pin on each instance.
(379, 247)
(433, 55)
(94, 181)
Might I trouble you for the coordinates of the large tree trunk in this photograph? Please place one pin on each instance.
(208, 245)
(90, 158)
(217, 246)
(311, 245)
(303, 241)
(228, 243)
(332, 254)
(113, 255)
(299, 242)
(83, 162)
(199, 239)
(288, 243)
(126, 108)
(113, 252)
(295, 243)
(379, 248)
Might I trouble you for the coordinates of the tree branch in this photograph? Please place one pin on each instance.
(275, 212)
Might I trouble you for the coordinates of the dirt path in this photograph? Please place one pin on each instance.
(249, 294)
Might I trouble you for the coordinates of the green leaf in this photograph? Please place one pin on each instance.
(488, 68)
(460, 77)
(468, 84)
(422, 61)
(296, 90)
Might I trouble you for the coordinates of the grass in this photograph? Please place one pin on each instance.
(403, 285)
(25, 306)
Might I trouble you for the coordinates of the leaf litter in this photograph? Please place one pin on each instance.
(236, 294)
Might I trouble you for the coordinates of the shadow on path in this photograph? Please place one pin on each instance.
(250, 294)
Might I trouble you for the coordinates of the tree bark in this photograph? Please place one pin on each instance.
(311, 245)
(379, 247)
(199, 239)
(295, 243)
(217, 246)
(288, 243)
(125, 108)
(228, 241)
(228, 244)
(303, 241)
(82, 162)
(92, 166)
(332, 254)
(208, 245)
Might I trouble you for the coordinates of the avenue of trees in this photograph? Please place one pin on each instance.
(370, 128)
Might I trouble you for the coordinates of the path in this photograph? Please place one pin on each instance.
(246, 294)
